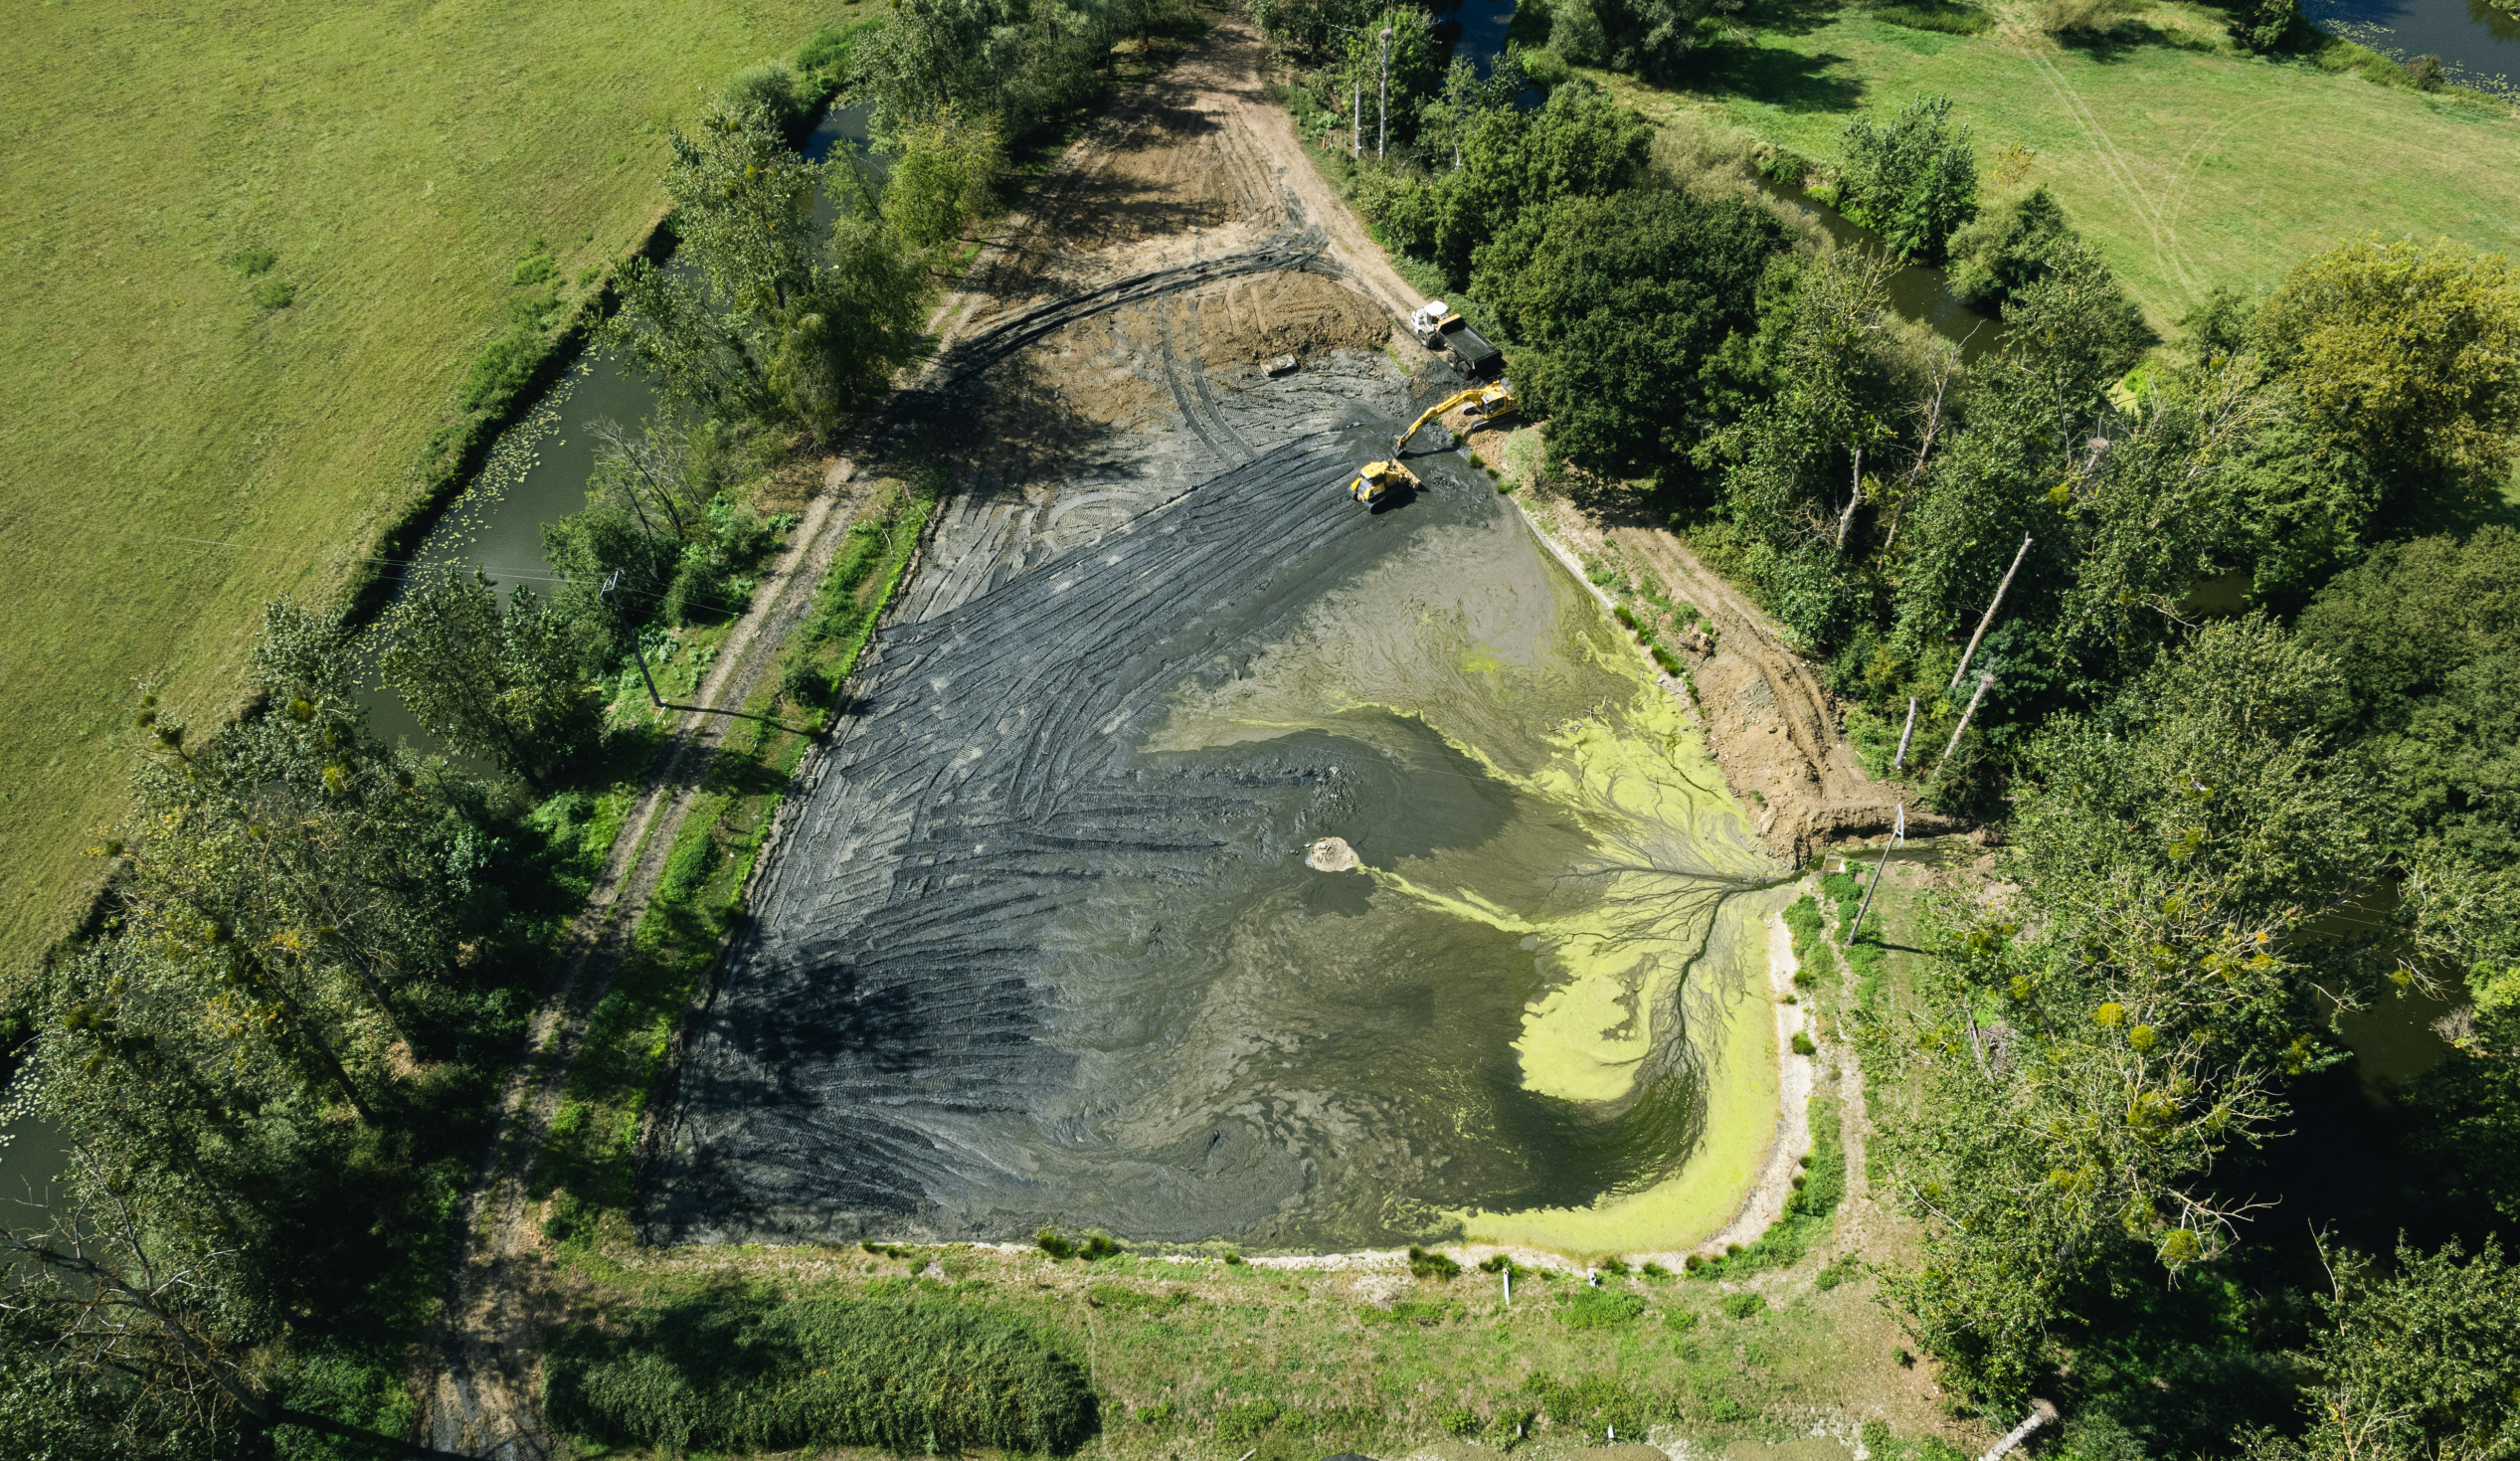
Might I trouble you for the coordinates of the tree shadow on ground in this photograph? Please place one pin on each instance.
(1794, 17)
(2124, 39)
(1784, 79)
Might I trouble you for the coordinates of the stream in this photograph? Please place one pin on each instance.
(2477, 42)
(538, 469)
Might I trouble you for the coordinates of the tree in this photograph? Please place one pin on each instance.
(2408, 356)
(791, 318)
(2415, 1363)
(1580, 144)
(2094, 1043)
(127, 1295)
(944, 168)
(510, 688)
(1646, 38)
(1628, 299)
(1913, 180)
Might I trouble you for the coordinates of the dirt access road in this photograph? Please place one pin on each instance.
(1108, 341)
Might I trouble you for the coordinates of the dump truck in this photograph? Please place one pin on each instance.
(1438, 327)
(1486, 402)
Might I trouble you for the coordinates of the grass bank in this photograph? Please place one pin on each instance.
(261, 251)
(2192, 164)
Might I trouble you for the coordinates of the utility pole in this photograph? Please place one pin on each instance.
(1383, 109)
(1901, 759)
(1899, 834)
(1966, 655)
(636, 652)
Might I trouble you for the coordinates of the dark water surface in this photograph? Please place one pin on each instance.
(2478, 43)
(1915, 292)
(538, 471)
(1043, 945)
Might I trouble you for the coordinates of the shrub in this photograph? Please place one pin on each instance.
(505, 367)
(1246, 1420)
(2260, 25)
(534, 268)
(2425, 73)
(771, 86)
(1803, 1044)
(1603, 1309)
(1742, 1306)
(1846, 1269)
(1611, 1263)
(1159, 1413)
(817, 1372)
(1727, 1409)
(252, 260)
(1679, 1321)
(1460, 1420)
(1425, 1264)
(1050, 1242)
(275, 294)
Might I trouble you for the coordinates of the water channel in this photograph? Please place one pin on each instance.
(2477, 40)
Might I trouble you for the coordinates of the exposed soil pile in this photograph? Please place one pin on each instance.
(1773, 726)
(1300, 314)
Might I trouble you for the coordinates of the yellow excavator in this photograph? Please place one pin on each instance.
(1376, 478)
(1484, 401)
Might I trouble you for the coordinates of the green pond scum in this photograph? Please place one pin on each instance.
(1044, 948)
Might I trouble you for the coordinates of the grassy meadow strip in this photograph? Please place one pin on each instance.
(268, 247)
(2191, 163)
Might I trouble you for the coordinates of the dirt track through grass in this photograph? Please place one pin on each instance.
(2190, 165)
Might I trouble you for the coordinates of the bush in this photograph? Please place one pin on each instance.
(1425, 1264)
(1603, 1309)
(252, 260)
(2425, 73)
(275, 294)
(1915, 178)
(1742, 1306)
(1803, 1044)
(505, 367)
(747, 1375)
(2260, 25)
(771, 86)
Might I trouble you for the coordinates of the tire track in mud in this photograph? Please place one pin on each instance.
(881, 997)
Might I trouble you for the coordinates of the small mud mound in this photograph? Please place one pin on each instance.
(1300, 314)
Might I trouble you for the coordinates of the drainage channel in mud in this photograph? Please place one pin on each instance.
(1042, 943)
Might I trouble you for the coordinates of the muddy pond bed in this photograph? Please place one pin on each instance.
(1040, 945)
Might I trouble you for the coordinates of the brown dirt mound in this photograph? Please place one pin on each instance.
(1301, 315)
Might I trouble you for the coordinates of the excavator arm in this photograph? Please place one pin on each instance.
(1489, 401)
(1431, 412)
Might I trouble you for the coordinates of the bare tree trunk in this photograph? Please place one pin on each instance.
(1971, 652)
(1901, 759)
(1845, 519)
(1983, 681)
(2041, 1413)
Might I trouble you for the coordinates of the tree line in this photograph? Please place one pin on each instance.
(2216, 629)
(275, 1059)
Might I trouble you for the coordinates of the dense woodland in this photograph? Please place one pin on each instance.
(2243, 715)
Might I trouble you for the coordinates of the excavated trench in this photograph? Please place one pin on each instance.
(1039, 943)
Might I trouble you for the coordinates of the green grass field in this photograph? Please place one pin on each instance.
(175, 451)
(2189, 163)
